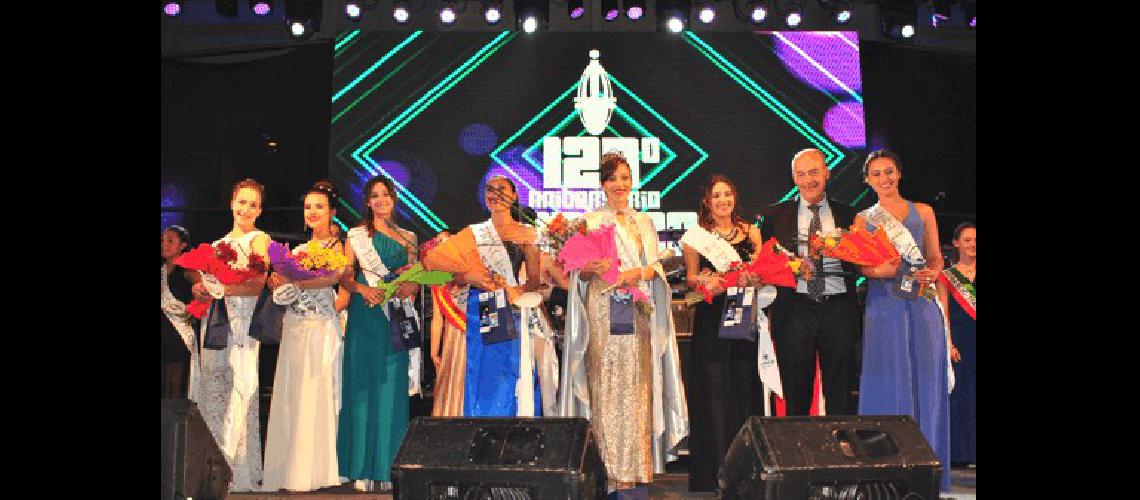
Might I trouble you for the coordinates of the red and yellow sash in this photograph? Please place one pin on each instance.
(452, 313)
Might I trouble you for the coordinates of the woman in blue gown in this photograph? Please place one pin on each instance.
(904, 337)
(374, 387)
(493, 372)
(958, 293)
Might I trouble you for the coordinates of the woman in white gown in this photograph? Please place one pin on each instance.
(300, 446)
(226, 390)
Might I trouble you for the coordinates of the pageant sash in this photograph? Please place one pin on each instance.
(766, 363)
(908, 287)
(492, 252)
(448, 306)
(175, 312)
(964, 294)
(715, 249)
(366, 255)
(738, 318)
(898, 233)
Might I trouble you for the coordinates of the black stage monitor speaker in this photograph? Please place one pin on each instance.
(192, 463)
(830, 458)
(498, 458)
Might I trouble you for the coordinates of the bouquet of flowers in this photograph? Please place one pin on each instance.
(771, 266)
(218, 265)
(311, 263)
(412, 273)
(855, 245)
(580, 249)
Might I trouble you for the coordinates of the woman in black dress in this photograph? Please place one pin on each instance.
(723, 386)
(176, 284)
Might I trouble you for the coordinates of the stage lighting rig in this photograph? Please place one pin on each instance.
(634, 9)
(492, 11)
(353, 10)
(401, 12)
(793, 14)
(940, 12)
(261, 8)
(575, 9)
(171, 8)
(756, 11)
(897, 19)
(673, 15)
(839, 11)
(448, 12)
(531, 15)
(302, 17)
(706, 12)
(610, 10)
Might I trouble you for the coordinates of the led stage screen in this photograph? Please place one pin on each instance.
(442, 112)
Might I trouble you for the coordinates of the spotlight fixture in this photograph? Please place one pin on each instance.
(261, 8)
(172, 8)
(492, 12)
(793, 14)
(353, 11)
(401, 14)
(448, 12)
(299, 29)
(970, 9)
(634, 9)
(575, 9)
(610, 10)
(531, 15)
(706, 13)
(757, 11)
(838, 10)
(673, 15)
(897, 18)
(227, 8)
(302, 17)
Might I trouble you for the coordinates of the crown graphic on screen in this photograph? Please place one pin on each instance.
(595, 101)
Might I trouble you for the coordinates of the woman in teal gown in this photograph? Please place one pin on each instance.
(374, 395)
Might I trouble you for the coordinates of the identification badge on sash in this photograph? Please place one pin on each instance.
(496, 319)
(908, 285)
(402, 324)
(621, 313)
(739, 314)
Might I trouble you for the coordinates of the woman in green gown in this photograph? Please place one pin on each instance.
(374, 396)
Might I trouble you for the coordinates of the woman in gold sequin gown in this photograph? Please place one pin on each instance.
(629, 385)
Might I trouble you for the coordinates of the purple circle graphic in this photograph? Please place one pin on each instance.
(828, 61)
(478, 139)
(844, 124)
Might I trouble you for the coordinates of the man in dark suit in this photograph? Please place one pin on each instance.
(820, 314)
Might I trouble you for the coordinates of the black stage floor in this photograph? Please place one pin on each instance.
(669, 486)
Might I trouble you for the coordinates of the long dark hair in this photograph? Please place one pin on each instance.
(366, 221)
(704, 213)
